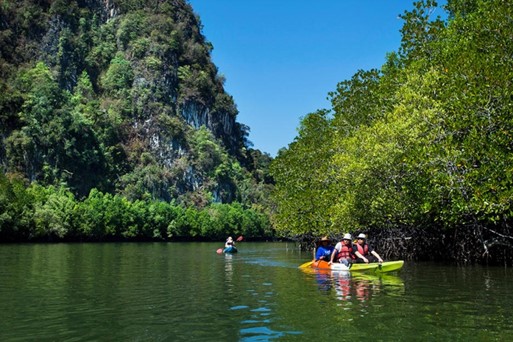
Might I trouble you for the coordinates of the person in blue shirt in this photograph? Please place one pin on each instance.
(324, 250)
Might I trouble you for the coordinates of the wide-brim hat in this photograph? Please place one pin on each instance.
(325, 238)
(347, 237)
(362, 236)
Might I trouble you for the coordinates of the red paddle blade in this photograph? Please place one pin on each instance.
(240, 238)
(219, 251)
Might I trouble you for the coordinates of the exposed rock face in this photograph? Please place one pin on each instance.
(109, 9)
(197, 115)
(153, 85)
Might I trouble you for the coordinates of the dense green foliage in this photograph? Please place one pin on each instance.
(122, 97)
(37, 213)
(420, 149)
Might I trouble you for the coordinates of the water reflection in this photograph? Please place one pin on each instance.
(228, 265)
(349, 286)
(258, 321)
(254, 301)
(343, 285)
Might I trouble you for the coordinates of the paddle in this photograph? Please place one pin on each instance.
(219, 251)
(306, 264)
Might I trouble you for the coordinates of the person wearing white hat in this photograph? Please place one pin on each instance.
(365, 253)
(344, 251)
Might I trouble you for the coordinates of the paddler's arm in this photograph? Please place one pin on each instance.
(377, 256)
(332, 256)
(359, 255)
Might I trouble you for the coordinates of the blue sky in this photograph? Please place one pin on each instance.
(280, 58)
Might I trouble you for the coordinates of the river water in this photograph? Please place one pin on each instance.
(188, 292)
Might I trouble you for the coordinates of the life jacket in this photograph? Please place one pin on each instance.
(346, 252)
(363, 250)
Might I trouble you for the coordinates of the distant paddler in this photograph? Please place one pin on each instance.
(229, 242)
(229, 246)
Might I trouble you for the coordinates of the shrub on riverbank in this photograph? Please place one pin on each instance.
(37, 213)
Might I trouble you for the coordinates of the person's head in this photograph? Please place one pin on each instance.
(347, 239)
(361, 238)
(229, 239)
(325, 240)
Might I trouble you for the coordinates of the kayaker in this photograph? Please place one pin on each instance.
(229, 242)
(365, 253)
(324, 250)
(344, 251)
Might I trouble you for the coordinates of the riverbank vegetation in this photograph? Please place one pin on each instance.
(37, 213)
(419, 154)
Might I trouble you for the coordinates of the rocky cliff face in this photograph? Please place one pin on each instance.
(134, 77)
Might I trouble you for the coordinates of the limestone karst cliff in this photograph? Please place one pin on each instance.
(122, 96)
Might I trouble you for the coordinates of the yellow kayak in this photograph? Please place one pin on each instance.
(387, 266)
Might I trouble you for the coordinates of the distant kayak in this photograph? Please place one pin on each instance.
(387, 266)
(231, 249)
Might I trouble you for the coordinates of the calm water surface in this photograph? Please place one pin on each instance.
(187, 292)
